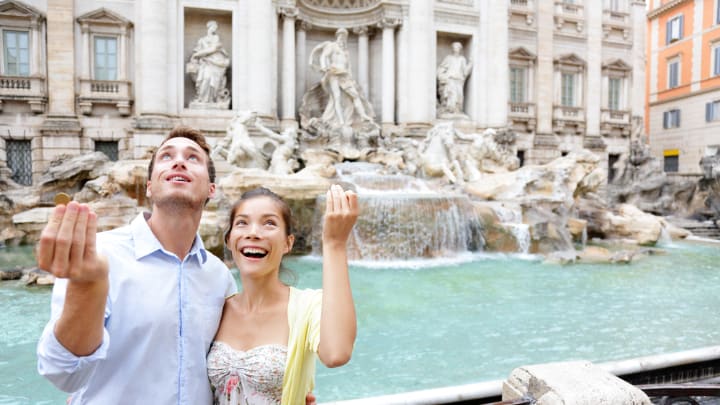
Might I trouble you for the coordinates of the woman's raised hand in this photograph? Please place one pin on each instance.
(341, 212)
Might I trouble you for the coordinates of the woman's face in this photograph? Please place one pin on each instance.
(258, 239)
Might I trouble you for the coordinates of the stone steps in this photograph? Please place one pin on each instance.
(704, 229)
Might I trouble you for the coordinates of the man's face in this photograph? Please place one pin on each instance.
(180, 175)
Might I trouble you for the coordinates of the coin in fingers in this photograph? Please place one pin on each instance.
(62, 198)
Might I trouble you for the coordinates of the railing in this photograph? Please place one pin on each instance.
(569, 113)
(25, 88)
(569, 9)
(116, 92)
(519, 3)
(104, 87)
(615, 116)
(522, 109)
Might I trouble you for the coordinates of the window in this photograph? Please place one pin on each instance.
(16, 53)
(614, 5)
(521, 157)
(717, 14)
(712, 111)
(109, 148)
(716, 60)
(671, 160)
(517, 84)
(105, 58)
(19, 161)
(614, 87)
(671, 119)
(674, 29)
(568, 90)
(673, 79)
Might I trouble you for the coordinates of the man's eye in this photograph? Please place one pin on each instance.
(194, 158)
(165, 156)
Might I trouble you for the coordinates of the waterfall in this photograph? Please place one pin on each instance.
(402, 219)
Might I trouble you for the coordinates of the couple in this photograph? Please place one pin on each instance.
(135, 312)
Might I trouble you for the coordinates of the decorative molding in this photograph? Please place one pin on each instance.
(665, 7)
(288, 11)
(520, 53)
(18, 10)
(103, 16)
(460, 17)
(325, 17)
(570, 60)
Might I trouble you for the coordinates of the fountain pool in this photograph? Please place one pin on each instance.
(468, 321)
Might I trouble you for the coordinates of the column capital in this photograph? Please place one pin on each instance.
(288, 11)
(388, 22)
(304, 25)
(361, 30)
(84, 27)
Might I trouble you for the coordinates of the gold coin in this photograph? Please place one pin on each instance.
(62, 198)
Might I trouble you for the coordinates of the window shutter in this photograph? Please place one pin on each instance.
(668, 29)
(665, 119)
(716, 68)
(677, 119)
(708, 112)
(680, 34)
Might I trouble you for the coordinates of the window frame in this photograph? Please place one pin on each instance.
(516, 87)
(672, 23)
(671, 119)
(669, 83)
(618, 91)
(5, 50)
(94, 56)
(567, 89)
(715, 62)
(712, 111)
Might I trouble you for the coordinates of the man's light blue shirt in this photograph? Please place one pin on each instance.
(161, 316)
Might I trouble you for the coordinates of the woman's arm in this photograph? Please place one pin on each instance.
(338, 325)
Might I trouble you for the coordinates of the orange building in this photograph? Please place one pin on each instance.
(682, 116)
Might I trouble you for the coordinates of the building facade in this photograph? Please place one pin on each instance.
(683, 105)
(115, 75)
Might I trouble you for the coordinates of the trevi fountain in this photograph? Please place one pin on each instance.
(456, 241)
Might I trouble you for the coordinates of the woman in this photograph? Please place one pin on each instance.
(264, 351)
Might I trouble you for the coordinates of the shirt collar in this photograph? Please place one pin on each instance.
(145, 242)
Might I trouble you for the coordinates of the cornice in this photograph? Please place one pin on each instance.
(665, 7)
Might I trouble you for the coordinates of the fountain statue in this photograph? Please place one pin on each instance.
(207, 67)
(335, 109)
(237, 148)
(451, 75)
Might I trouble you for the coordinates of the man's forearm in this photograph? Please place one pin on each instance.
(80, 327)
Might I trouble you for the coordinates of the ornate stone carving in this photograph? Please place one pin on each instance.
(335, 109)
(237, 148)
(451, 76)
(207, 67)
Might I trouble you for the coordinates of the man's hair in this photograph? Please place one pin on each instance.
(182, 131)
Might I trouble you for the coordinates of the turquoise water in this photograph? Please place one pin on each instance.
(468, 322)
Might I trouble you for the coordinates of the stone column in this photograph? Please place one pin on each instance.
(495, 85)
(637, 96)
(61, 51)
(153, 62)
(388, 70)
(288, 66)
(418, 108)
(122, 54)
(593, 68)
(545, 99)
(260, 49)
(302, 61)
(363, 59)
(60, 132)
(85, 49)
(35, 59)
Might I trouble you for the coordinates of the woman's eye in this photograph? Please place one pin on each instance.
(240, 223)
(270, 223)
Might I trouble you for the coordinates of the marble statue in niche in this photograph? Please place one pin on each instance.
(451, 76)
(335, 109)
(207, 68)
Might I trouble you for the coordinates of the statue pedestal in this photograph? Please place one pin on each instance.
(221, 105)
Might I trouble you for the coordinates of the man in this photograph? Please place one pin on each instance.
(134, 314)
(343, 96)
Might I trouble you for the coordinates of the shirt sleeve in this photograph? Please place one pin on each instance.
(314, 313)
(231, 287)
(65, 370)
